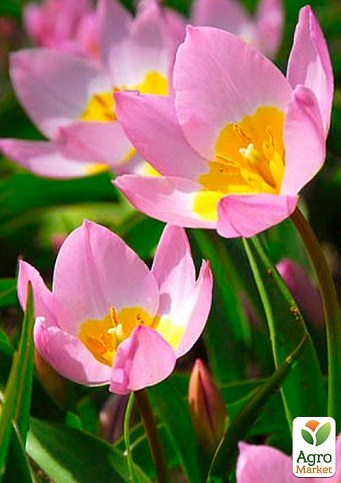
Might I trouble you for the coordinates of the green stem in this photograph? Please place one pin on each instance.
(267, 310)
(126, 432)
(152, 436)
(331, 311)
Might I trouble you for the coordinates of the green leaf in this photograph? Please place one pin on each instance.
(8, 292)
(10, 8)
(307, 436)
(17, 465)
(243, 422)
(23, 196)
(5, 345)
(173, 412)
(322, 434)
(16, 407)
(287, 329)
(69, 455)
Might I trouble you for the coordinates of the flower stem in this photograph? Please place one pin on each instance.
(126, 431)
(331, 311)
(152, 436)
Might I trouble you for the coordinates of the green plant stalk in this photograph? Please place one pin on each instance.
(126, 433)
(267, 310)
(331, 311)
(227, 449)
(152, 434)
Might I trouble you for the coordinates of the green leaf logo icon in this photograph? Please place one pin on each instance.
(307, 436)
(322, 434)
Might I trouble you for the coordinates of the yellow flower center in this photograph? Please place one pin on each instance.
(249, 159)
(101, 107)
(102, 337)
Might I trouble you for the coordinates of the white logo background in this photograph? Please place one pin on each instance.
(308, 460)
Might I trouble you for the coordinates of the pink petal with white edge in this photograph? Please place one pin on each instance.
(223, 14)
(304, 141)
(309, 62)
(114, 26)
(185, 302)
(218, 79)
(260, 463)
(43, 158)
(96, 270)
(53, 87)
(151, 124)
(247, 215)
(142, 360)
(95, 142)
(68, 356)
(269, 26)
(165, 198)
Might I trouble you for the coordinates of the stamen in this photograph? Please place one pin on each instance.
(242, 134)
(227, 161)
(269, 145)
(113, 317)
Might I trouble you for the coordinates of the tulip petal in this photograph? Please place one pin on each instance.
(304, 141)
(43, 298)
(68, 356)
(198, 309)
(43, 158)
(145, 50)
(96, 270)
(150, 123)
(248, 215)
(53, 87)
(269, 26)
(96, 142)
(114, 24)
(142, 360)
(257, 464)
(223, 14)
(218, 79)
(309, 62)
(180, 294)
(165, 198)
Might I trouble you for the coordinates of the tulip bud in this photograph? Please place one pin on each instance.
(207, 407)
(303, 290)
(111, 417)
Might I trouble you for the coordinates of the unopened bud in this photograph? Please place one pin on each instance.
(303, 289)
(207, 407)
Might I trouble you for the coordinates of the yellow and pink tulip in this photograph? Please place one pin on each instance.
(109, 319)
(238, 140)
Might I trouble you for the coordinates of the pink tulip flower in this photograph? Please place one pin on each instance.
(71, 99)
(111, 320)
(264, 31)
(260, 463)
(238, 140)
(65, 25)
